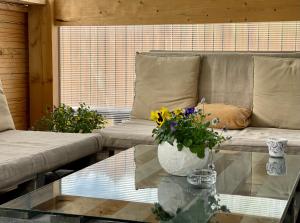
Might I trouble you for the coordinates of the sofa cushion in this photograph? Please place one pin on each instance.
(233, 69)
(136, 131)
(165, 81)
(6, 121)
(227, 78)
(128, 134)
(254, 138)
(27, 153)
(230, 116)
(276, 100)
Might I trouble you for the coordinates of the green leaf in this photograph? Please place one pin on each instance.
(179, 146)
(193, 148)
(201, 153)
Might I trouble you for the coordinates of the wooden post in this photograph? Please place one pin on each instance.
(43, 59)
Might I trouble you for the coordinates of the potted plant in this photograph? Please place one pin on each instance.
(66, 119)
(185, 138)
(177, 202)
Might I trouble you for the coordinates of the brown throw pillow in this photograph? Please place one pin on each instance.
(276, 94)
(165, 81)
(230, 116)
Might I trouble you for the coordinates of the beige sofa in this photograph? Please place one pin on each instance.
(225, 77)
(25, 155)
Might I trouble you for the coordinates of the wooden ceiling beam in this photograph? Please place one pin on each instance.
(26, 2)
(143, 12)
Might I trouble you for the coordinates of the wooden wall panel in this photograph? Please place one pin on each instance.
(14, 61)
(125, 12)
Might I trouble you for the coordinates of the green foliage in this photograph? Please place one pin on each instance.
(160, 213)
(189, 128)
(200, 210)
(65, 119)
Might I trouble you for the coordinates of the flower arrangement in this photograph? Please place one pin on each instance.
(188, 127)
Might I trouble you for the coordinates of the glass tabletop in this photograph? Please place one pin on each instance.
(132, 186)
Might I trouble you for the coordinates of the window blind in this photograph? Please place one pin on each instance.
(97, 62)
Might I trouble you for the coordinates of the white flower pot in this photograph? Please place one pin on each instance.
(179, 163)
(175, 194)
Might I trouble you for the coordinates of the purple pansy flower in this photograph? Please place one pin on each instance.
(189, 111)
(173, 126)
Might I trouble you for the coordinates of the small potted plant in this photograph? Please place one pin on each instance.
(66, 119)
(185, 138)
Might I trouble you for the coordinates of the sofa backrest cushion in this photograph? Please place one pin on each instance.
(276, 96)
(6, 121)
(227, 77)
(165, 81)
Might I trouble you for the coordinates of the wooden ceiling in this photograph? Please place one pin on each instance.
(125, 12)
(26, 2)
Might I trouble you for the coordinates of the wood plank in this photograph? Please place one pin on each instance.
(12, 19)
(15, 84)
(18, 106)
(43, 59)
(115, 209)
(12, 53)
(121, 12)
(13, 44)
(10, 39)
(12, 27)
(26, 2)
(8, 17)
(16, 93)
(21, 123)
(13, 13)
(13, 7)
(15, 76)
(14, 62)
(6, 70)
(13, 36)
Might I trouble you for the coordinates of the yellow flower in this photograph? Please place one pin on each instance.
(157, 117)
(165, 113)
(154, 115)
(160, 116)
(178, 111)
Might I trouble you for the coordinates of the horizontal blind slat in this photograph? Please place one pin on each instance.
(97, 63)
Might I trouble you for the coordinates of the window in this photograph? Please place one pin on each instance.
(97, 62)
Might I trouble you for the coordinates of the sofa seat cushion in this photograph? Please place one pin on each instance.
(27, 153)
(254, 138)
(128, 134)
(137, 131)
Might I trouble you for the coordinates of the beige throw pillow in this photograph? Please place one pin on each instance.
(6, 121)
(276, 99)
(165, 81)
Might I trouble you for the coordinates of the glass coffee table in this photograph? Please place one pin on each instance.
(132, 187)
